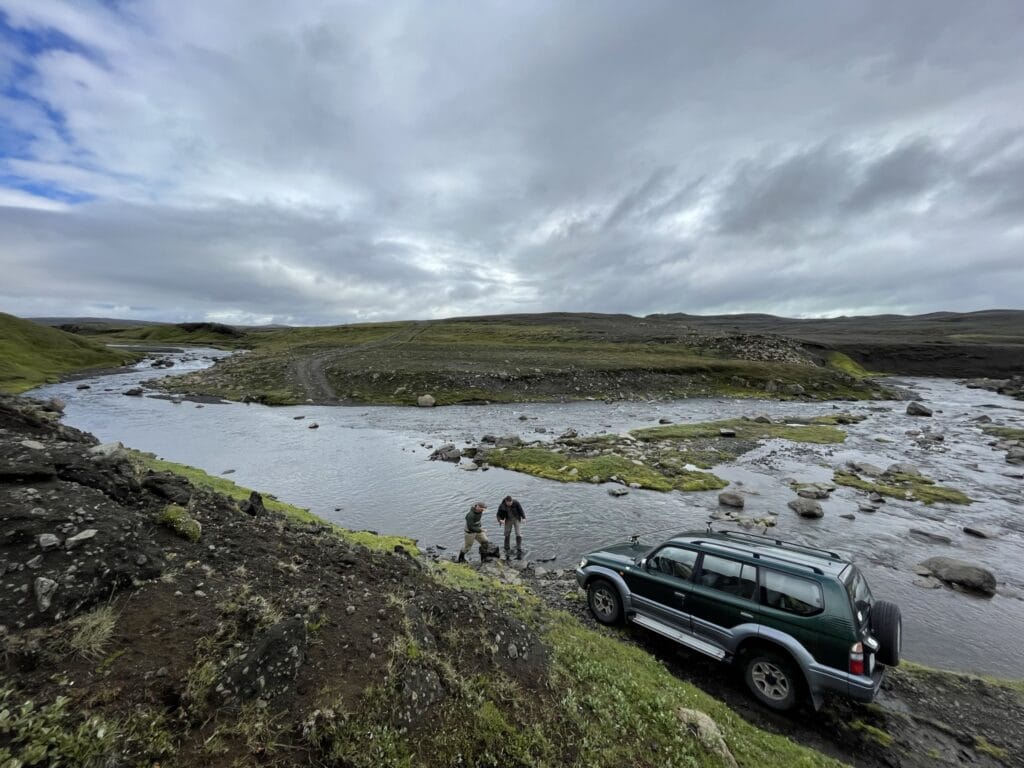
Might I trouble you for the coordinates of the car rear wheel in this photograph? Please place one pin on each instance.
(887, 628)
(604, 602)
(772, 679)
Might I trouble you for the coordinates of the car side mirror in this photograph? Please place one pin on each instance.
(642, 562)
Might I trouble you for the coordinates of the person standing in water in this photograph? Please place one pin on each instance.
(512, 516)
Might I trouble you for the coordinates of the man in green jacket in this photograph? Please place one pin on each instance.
(474, 531)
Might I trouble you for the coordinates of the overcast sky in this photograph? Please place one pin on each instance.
(326, 162)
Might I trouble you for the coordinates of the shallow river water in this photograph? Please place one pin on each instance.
(367, 468)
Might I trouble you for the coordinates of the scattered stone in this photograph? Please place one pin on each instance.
(508, 441)
(981, 533)
(807, 508)
(726, 432)
(47, 541)
(700, 725)
(107, 450)
(936, 537)
(447, 452)
(731, 499)
(1015, 456)
(83, 386)
(254, 505)
(44, 591)
(314, 425)
(868, 508)
(618, 491)
(569, 434)
(903, 468)
(664, 421)
(927, 582)
(35, 563)
(814, 491)
(864, 468)
(426, 401)
(35, 445)
(849, 516)
(80, 538)
(350, 609)
(915, 408)
(876, 498)
(134, 392)
(962, 574)
(513, 651)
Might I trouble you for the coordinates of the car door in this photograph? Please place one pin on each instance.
(661, 586)
(723, 595)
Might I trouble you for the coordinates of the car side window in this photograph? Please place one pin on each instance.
(673, 561)
(791, 593)
(729, 576)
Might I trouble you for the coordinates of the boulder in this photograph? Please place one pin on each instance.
(426, 401)
(1015, 456)
(903, 468)
(664, 421)
(864, 468)
(447, 452)
(730, 499)
(959, 573)
(254, 505)
(814, 491)
(508, 441)
(936, 537)
(618, 491)
(914, 408)
(270, 666)
(569, 434)
(47, 541)
(701, 727)
(134, 392)
(44, 590)
(807, 508)
(726, 432)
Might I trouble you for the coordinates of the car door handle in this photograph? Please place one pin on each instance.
(746, 615)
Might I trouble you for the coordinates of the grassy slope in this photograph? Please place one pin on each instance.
(32, 354)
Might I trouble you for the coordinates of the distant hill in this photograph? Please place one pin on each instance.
(32, 354)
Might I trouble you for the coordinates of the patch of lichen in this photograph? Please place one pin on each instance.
(553, 465)
(745, 429)
(901, 486)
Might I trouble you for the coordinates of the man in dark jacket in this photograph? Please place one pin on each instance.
(511, 515)
(474, 532)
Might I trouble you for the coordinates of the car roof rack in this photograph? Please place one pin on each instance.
(758, 555)
(783, 543)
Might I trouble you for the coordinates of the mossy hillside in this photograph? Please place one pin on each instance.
(232, 490)
(901, 486)
(546, 463)
(33, 354)
(846, 364)
(745, 429)
(178, 520)
(472, 361)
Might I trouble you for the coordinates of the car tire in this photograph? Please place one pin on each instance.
(773, 679)
(887, 629)
(604, 601)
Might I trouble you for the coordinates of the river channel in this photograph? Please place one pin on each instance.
(368, 468)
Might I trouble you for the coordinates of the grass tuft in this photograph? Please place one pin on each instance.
(907, 487)
(91, 632)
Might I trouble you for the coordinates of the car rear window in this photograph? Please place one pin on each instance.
(791, 594)
(728, 576)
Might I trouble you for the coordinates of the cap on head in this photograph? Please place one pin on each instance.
(480, 505)
(508, 498)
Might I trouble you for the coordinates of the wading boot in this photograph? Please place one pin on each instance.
(519, 547)
(462, 557)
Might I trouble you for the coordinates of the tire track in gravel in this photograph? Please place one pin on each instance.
(310, 371)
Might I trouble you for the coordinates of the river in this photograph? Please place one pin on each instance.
(367, 468)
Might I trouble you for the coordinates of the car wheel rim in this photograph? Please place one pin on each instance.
(603, 603)
(770, 681)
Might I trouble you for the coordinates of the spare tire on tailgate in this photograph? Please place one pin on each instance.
(887, 628)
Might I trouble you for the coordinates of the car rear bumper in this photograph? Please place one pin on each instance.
(858, 687)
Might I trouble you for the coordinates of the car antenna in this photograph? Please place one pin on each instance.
(710, 530)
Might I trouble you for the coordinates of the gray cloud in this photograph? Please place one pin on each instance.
(334, 162)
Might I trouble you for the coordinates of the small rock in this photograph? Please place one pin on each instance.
(849, 516)
(981, 533)
(618, 491)
(35, 445)
(936, 537)
(513, 651)
(725, 432)
(914, 408)
(426, 401)
(876, 498)
(134, 392)
(79, 538)
(867, 508)
(314, 425)
(664, 421)
(864, 468)
(35, 563)
(44, 591)
(47, 541)
(903, 468)
(350, 609)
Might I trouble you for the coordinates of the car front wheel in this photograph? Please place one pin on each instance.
(604, 602)
(772, 679)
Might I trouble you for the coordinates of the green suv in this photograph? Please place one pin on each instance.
(796, 619)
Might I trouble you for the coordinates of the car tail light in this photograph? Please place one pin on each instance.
(857, 659)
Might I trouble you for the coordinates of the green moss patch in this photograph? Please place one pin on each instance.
(845, 364)
(178, 520)
(543, 462)
(900, 486)
(877, 735)
(1007, 433)
(745, 429)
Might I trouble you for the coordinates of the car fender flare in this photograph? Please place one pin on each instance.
(800, 655)
(599, 571)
